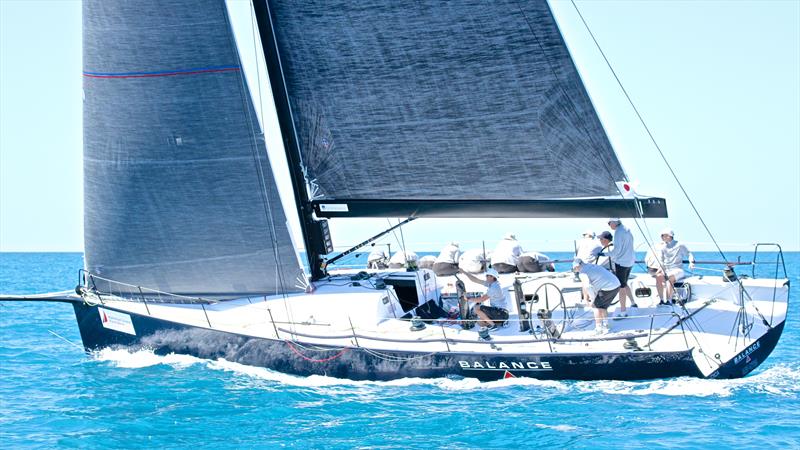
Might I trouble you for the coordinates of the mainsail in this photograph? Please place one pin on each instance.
(179, 193)
(441, 107)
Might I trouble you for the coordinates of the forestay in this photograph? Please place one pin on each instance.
(179, 194)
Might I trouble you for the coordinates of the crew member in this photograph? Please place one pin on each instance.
(588, 248)
(533, 262)
(377, 259)
(403, 259)
(447, 261)
(603, 286)
(623, 257)
(496, 313)
(506, 255)
(672, 255)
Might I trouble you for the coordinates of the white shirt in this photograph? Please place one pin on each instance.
(623, 253)
(376, 255)
(403, 257)
(507, 251)
(449, 254)
(472, 260)
(651, 260)
(588, 249)
(673, 254)
(497, 296)
(599, 278)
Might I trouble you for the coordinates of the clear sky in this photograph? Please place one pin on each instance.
(718, 83)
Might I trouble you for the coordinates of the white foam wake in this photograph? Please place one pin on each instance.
(781, 380)
(143, 358)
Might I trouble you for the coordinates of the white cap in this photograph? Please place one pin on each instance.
(577, 262)
(493, 273)
(588, 233)
(510, 236)
(454, 244)
(668, 231)
(615, 220)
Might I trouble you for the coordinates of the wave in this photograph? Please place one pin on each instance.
(778, 380)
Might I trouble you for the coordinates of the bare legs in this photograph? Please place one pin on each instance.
(624, 293)
(485, 320)
(600, 316)
(660, 286)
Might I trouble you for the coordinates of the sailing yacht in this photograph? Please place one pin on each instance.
(187, 247)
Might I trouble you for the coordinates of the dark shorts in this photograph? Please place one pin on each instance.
(529, 264)
(622, 274)
(504, 268)
(604, 298)
(498, 315)
(443, 269)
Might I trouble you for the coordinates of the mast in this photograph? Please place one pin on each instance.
(313, 236)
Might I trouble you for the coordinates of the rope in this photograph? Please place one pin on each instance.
(387, 357)
(331, 358)
(65, 339)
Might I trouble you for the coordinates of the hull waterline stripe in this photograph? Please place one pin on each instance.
(168, 73)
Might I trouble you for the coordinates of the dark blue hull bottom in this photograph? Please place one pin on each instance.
(359, 363)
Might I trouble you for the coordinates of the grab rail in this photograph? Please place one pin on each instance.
(88, 284)
(778, 258)
(132, 292)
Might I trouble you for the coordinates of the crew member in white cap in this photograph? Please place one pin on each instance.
(496, 314)
(603, 286)
(447, 261)
(623, 256)
(377, 259)
(506, 255)
(671, 255)
(588, 248)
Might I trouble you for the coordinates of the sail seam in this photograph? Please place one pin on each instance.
(162, 73)
(187, 261)
(166, 163)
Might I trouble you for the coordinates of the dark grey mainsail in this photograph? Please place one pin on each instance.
(179, 194)
(439, 106)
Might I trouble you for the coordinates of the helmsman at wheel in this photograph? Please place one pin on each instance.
(496, 314)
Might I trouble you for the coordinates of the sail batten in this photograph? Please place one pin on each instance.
(178, 191)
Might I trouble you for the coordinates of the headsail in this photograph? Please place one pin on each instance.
(441, 107)
(179, 195)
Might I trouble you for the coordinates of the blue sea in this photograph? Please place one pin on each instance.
(52, 394)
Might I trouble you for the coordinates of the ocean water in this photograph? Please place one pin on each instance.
(52, 394)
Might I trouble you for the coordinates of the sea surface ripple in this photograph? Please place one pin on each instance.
(53, 394)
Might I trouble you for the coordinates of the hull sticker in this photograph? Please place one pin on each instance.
(334, 207)
(116, 321)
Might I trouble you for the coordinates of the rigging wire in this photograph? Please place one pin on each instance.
(636, 210)
(649, 133)
(663, 157)
(265, 188)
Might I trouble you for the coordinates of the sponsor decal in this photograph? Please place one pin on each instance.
(745, 355)
(116, 321)
(334, 207)
(506, 366)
